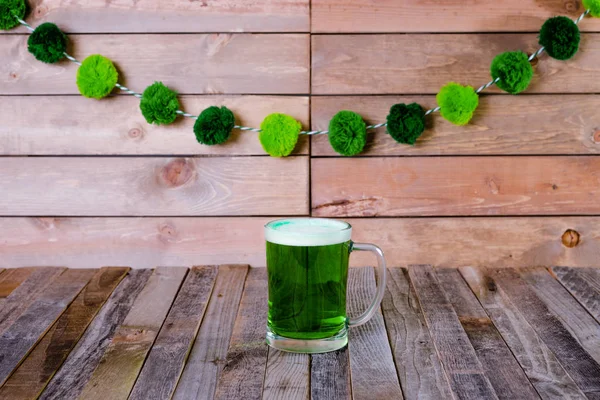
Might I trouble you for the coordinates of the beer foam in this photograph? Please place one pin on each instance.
(307, 232)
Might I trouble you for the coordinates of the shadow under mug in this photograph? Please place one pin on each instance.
(307, 268)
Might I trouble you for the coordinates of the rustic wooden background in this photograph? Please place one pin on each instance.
(86, 183)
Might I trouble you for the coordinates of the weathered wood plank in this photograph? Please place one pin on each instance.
(146, 242)
(501, 368)
(418, 365)
(12, 279)
(207, 357)
(537, 360)
(378, 64)
(372, 366)
(21, 297)
(287, 376)
(156, 16)
(154, 186)
(582, 368)
(246, 362)
(499, 127)
(56, 131)
(37, 369)
(584, 285)
(213, 64)
(118, 369)
(439, 186)
(164, 364)
(459, 360)
(18, 340)
(330, 376)
(445, 16)
(75, 372)
(561, 303)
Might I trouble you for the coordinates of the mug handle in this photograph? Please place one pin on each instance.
(381, 273)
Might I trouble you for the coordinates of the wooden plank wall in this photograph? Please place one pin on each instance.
(88, 183)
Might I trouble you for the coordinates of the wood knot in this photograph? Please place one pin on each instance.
(490, 284)
(533, 62)
(177, 173)
(167, 232)
(570, 238)
(40, 11)
(596, 136)
(135, 133)
(13, 75)
(571, 5)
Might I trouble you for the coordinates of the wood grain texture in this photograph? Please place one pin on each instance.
(166, 360)
(537, 360)
(18, 340)
(561, 303)
(213, 64)
(146, 242)
(156, 16)
(444, 16)
(12, 279)
(501, 368)
(378, 64)
(208, 355)
(246, 362)
(580, 366)
(154, 186)
(534, 124)
(21, 297)
(584, 285)
(118, 369)
(77, 369)
(419, 368)
(37, 369)
(459, 360)
(69, 125)
(372, 366)
(455, 186)
(330, 376)
(287, 376)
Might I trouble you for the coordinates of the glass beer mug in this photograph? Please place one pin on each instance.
(307, 268)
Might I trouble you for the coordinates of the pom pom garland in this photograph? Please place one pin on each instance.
(47, 43)
(279, 134)
(457, 102)
(9, 9)
(560, 37)
(513, 71)
(593, 6)
(405, 123)
(347, 133)
(159, 104)
(214, 125)
(96, 77)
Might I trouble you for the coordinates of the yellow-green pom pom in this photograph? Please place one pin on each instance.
(593, 6)
(96, 77)
(347, 133)
(279, 134)
(457, 102)
(9, 11)
(159, 104)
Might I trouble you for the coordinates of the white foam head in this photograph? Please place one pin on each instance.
(307, 232)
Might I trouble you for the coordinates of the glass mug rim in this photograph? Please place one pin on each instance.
(296, 231)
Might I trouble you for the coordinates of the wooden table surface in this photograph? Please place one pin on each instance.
(467, 333)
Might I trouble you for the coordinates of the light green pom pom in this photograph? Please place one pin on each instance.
(159, 104)
(279, 134)
(593, 6)
(96, 77)
(9, 10)
(347, 133)
(457, 102)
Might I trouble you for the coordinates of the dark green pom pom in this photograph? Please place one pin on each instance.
(9, 10)
(214, 125)
(513, 70)
(347, 133)
(279, 134)
(405, 123)
(96, 77)
(560, 37)
(47, 43)
(159, 104)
